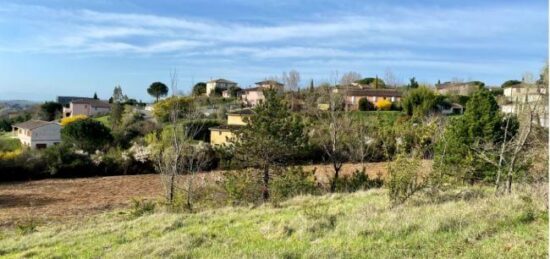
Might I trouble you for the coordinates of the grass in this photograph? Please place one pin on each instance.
(8, 143)
(354, 225)
(390, 116)
(106, 120)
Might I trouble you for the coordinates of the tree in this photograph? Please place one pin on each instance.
(390, 79)
(349, 78)
(412, 83)
(118, 96)
(332, 134)
(157, 89)
(366, 105)
(95, 96)
(86, 134)
(199, 89)
(419, 102)
(291, 80)
(311, 86)
(510, 83)
(117, 110)
(50, 110)
(68, 120)
(374, 82)
(234, 91)
(272, 135)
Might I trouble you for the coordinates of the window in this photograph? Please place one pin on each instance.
(41, 146)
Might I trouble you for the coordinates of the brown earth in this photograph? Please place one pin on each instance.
(58, 199)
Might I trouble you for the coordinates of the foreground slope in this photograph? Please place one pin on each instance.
(343, 225)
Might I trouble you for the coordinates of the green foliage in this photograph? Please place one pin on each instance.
(412, 83)
(292, 182)
(233, 91)
(88, 135)
(7, 143)
(242, 186)
(199, 89)
(157, 90)
(510, 83)
(27, 227)
(403, 179)
(50, 111)
(366, 105)
(201, 128)
(372, 81)
(419, 102)
(142, 207)
(117, 109)
(162, 109)
(359, 180)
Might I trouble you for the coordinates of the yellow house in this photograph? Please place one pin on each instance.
(222, 134)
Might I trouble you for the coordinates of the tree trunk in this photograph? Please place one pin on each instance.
(336, 168)
(501, 158)
(171, 188)
(265, 191)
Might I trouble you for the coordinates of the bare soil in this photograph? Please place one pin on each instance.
(58, 199)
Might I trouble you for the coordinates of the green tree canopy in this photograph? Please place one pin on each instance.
(272, 135)
(372, 81)
(510, 83)
(412, 83)
(87, 134)
(199, 88)
(366, 105)
(157, 89)
(419, 101)
(50, 110)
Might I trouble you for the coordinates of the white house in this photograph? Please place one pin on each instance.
(517, 96)
(221, 84)
(88, 107)
(38, 134)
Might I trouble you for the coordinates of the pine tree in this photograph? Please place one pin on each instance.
(95, 96)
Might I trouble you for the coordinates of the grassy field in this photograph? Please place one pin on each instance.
(106, 120)
(8, 143)
(467, 224)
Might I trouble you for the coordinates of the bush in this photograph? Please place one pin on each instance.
(142, 207)
(383, 105)
(87, 134)
(359, 180)
(68, 120)
(292, 182)
(243, 187)
(366, 105)
(403, 179)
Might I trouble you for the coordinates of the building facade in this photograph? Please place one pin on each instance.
(353, 96)
(221, 135)
(517, 97)
(254, 96)
(450, 88)
(222, 84)
(88, 107)
(37, 134)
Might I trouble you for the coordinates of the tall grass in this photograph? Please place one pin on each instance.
(362, 224)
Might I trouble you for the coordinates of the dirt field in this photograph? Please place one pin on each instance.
(56, 199)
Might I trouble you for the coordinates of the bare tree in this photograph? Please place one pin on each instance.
(292, 82)
(390, 79)
(349, 78)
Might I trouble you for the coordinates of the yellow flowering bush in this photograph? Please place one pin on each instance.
(383, 104)
(69, 120)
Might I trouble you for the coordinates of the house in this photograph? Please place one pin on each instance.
(516, 96)
(66, 100)
(236, 119)
(38, 134)
(253, 96)
(451, 88)
(227, 93)
(221, 84)
(88, 107)
(352, 96)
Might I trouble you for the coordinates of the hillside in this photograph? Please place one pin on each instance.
(460, 224)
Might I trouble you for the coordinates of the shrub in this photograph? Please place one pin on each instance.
(366, 105)
(383, 104)
(359, 180)
(68, 120)
(87, 134)
(142, 207)
(242, 187)
(403, 179)
(292, 182)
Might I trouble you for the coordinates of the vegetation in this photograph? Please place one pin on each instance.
(366, 105)
(87, 134)
(68, 120)
(419, 101)
(199, 89)
(50, 111)
(383, 105)
(459, 223)
(157, 90)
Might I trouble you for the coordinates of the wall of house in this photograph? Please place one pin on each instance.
(253, 97)
(84, 109)
(48, 135)
(236, 119)
(220, 137)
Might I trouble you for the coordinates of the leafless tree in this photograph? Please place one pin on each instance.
(390, 79)
(291, 80)
(349, 78)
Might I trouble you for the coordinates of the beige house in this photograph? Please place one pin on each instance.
(236, 119)
(221, 83)
(253, 96)
(353, 96)
(88, 107)
(516, 96)
(450, 88)
(38, 134)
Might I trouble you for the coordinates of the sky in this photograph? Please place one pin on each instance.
(78, 47)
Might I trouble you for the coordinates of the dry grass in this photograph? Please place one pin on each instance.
(58, 199)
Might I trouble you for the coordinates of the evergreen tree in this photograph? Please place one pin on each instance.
(95, 96)
(272, 135)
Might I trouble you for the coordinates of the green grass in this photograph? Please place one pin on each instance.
(106, 120)
(354, 225)
(390, 116)
(8, 143)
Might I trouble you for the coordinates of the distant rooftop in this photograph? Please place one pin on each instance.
(269, 82)
(33, 124)
(221, 80)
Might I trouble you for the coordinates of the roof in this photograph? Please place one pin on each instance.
(68, 99)
(93, 102)
(226, 127)
(221, 80)
(33, 124)
(454, 84)
(246, 111)
(269, 82)
(375, 92)
(252, 89)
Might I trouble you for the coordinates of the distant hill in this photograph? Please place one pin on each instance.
(17, 103)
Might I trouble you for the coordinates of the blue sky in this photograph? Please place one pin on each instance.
(55, 47)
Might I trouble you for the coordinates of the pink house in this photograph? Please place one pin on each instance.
(253, 96)
(88, 107)
(353, 96)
